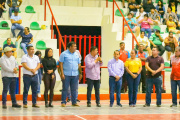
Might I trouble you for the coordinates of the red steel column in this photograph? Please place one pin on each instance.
(52, 28)
(80, 40)
(75, 38)
(123, 30)
(70, 38)
(94, 41)
(89, 43)
(45, 11)
(99, 45)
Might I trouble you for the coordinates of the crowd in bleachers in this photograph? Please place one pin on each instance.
(16, 21)
(144, 19)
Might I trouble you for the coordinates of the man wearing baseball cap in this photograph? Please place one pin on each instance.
(9, 72)
(16, 21)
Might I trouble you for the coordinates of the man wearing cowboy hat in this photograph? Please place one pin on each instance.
(9, 68)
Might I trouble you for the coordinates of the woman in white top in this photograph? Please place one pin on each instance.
(142, 39)
(140, 15)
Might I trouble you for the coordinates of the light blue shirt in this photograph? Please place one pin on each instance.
(129, 23)
(70, 63)
(16, 18)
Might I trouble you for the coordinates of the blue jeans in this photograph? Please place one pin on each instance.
(148, 30)
(24, 45)
(9, 82)
(33, 82)
(115, 85)
(69, 93)
(11, 9)
(168, 48)
(133, 88)
(72, 82)
(39, 81)
(19, 27)
(149, 86)
(174, 84)
(90, 84)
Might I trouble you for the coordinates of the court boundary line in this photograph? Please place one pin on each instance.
(80, 117)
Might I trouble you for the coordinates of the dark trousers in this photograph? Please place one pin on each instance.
(174, 84)
(9, 82)
(33, 82)
(90, 84)
(115, 85)
(49, 84)
(161, 49)
(124, 82)
(133, 88)
(143, 79)
(149, 86)
(72, 82)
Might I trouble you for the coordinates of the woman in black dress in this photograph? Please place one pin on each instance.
(49, 65)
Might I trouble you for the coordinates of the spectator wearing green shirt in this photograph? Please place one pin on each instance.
(156, 41)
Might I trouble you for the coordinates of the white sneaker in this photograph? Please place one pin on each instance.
(39, 95)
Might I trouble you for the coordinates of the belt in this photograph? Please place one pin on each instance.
(29, 75)
(112, 76)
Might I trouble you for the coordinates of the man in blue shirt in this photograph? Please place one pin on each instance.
(116, 71)
(16, 21)
(13, 5)
(132, 24)
(12, 46)
(69, 65)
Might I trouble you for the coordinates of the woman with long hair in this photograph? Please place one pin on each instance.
(27, 39)
(49, 65)
(133, 67)
(160, 8)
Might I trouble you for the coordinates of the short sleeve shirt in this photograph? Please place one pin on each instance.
(145, 24)
(31, 63)
(172, 23)
(155, 39)
(142, 55)
(141, 15)
(154, 64)
(175, 73)
(153, 16)
(16, 18)
(142, 40)
(26, 38)
(133, 65)
(129, 23)
(70, 63)
(11, 46)
(134, 10)
(124, 55)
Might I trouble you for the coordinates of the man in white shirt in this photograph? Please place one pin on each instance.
(31, 64)
(9, 68)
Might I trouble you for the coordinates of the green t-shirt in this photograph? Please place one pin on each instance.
(155, 39)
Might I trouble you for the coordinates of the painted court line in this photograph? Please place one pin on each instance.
(80, 117)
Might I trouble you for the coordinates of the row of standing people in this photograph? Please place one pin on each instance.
(71, 73)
